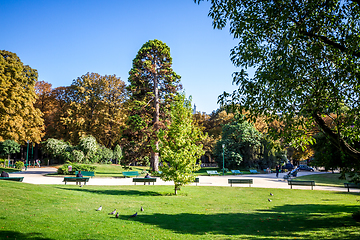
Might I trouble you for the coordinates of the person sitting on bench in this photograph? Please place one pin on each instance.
(79, 174)
(4, 174)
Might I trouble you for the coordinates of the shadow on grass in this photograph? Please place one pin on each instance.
(22, 236)
(115, 192)
(292, 221)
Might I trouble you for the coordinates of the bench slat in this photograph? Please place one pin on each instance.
(212, 172)
(351, 185)
(240, 181)
(86, 173)
(76, 179)
(20, 179)
(301, 183)
(144, 180)
(131, 174)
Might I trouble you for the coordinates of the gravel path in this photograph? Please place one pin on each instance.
(37, 176)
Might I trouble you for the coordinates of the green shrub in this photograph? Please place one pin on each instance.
(75, 167)
(19, 165)
(2, 162)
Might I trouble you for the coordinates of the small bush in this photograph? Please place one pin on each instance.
(64, 170)
(19, 165)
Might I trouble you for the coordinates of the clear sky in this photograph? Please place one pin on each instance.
(66, 39)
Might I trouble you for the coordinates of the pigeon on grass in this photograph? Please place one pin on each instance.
(142, 209)
(117, 215)
(99, 209)
(134, 215)
(269, 200)
(113, 212)
(271, 194)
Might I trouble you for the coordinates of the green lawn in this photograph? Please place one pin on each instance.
(326, 179)
(69, 212)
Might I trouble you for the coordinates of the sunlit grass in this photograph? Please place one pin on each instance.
(69, 212)
(326, 179)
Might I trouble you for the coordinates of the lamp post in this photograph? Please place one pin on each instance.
(223, 146)
(27, 154)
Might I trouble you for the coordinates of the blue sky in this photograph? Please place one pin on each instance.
(66, 39)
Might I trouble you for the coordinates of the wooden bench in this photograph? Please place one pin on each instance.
(212, 173)
(86, 173)
(78, 180)
(131, 174)
(351, 185)
(240, 181)
(253, 171)
(302, 183)
(236, 172)
(144, 180)
(20, 179)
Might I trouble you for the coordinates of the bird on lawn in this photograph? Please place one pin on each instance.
(117, 215)
(141, 209)
(269, 200)
(271, 194)
(99, 209)
(113, 212)
(134, 215)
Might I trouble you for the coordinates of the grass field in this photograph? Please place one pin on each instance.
(326, 179)
(69, 212)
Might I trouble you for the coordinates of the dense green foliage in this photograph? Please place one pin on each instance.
(306, 55)
(9, 147)
(19, 119)
(87, 151)
(19, 165)
(153, 84)
(179, 144)
(69, 212)
(241, 144)
(64, 169)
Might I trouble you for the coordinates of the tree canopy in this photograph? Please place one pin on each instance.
(179, 144)
(153, 84)
(306, 55)
(19, 119)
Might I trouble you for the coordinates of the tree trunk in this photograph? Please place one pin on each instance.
(154, 160)
(338, 141)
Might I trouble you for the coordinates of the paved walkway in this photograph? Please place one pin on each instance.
(37, 176)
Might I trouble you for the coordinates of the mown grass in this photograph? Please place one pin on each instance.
(326, 179)
(9, 170)
(69, 212)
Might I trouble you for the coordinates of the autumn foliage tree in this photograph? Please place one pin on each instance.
(19, 119)
(153, 85)
(96, 108)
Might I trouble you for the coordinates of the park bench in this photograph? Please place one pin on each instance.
(196, 181)
(131, 174)
(236, 172)
(301, 183)
(212, 172)
(144, 180)
(78, 180)
(20, 179)
(351, 185)
(86, 173)
(240, 181)
(253, 171)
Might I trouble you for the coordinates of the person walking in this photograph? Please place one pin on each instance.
(277, 170)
